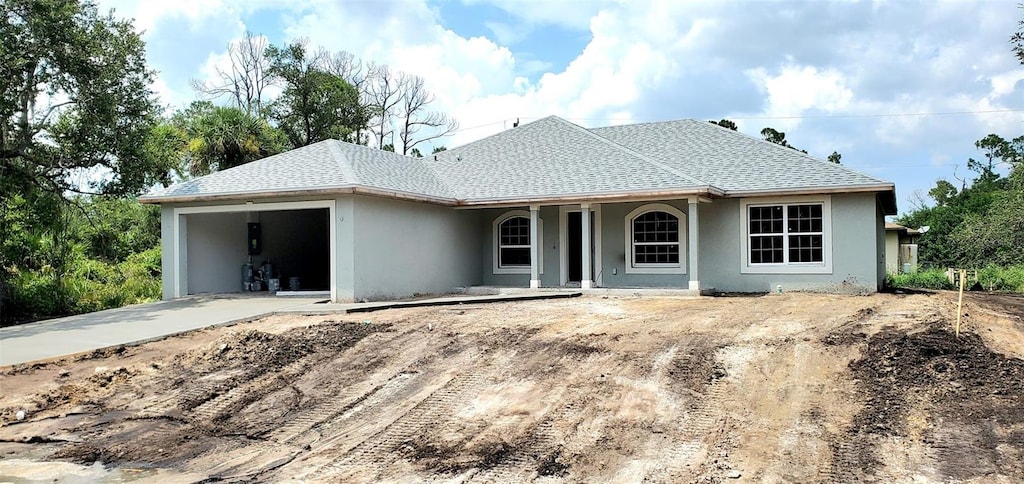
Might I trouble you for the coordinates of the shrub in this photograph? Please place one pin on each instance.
(991, 278)
(997, 278)
(927, 279)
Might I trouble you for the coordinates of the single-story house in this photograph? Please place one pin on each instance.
(900, 248)
(680, 204)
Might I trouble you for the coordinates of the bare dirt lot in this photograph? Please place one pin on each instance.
(776, 388)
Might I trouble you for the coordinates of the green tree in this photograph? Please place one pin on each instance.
(75, 95)
(835, 157)
(315, 104)
(773, 135)
(943, 192)
(1017, 41)
(219, 137)
(725, 123)
(975, 226)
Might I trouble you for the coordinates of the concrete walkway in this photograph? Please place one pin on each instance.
(132, 324)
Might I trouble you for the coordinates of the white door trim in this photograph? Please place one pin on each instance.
(181, 246)
(563, 266)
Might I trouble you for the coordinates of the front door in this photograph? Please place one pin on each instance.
(574, 246)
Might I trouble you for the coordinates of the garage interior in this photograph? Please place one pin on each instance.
(295, 242)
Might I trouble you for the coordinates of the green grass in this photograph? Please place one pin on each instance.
(927, 279)
(90, 285)
(996, 278)
(991, 278)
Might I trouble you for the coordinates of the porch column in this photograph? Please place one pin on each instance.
(586, 281)
(692, 244)
(534, 246)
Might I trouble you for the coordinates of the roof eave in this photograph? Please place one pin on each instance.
(886, 193)
(303, 192)
(594, 197)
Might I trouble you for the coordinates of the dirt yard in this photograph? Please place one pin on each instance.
(775, 388)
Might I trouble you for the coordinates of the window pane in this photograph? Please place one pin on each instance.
(514, 256)
(656, 227)
(766, 220)
(805, 248)
(804, 218)
(766, 250)
(514, 231)
(656, 254)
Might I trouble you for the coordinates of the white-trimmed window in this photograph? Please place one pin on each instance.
(656, 240)
(787, 235)
(512, 243)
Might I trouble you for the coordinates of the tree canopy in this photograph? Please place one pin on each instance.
(982, 222)
(76, 95)
(316, 104)
(222, 137)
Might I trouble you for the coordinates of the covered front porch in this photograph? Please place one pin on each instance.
(634, 245)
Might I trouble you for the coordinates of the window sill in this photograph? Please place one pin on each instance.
(512, 270)
(654, 270)
(786, 269)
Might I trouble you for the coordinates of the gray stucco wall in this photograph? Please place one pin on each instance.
(167, 244)
(550, 273)
(858, 262)
(855, 240)
(880, 246)
(216, 252)
(613, 241)
(404, 248)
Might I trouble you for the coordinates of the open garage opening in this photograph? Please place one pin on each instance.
(296, 243)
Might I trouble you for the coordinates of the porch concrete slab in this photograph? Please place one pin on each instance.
(132, 325)
(345, 308)
(597, 291)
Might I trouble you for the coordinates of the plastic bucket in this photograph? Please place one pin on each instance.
(273, 285)
(293, 283)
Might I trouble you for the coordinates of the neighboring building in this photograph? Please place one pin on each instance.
(900, 248)
(679, 204)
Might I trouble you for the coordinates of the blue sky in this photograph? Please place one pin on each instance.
(901, 88)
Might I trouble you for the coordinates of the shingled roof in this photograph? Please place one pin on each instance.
(326, 166)
(549, 159)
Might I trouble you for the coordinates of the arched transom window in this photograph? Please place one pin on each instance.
(512, 243)
(655, 239)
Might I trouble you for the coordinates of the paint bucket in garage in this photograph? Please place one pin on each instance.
(273, 285)
(247, 276)
(293, 283)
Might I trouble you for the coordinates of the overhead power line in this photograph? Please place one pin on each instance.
(765, 118)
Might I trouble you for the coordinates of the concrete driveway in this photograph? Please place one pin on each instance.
(87, 332)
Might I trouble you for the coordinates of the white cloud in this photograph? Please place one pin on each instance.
(796, 90)
(668, 59)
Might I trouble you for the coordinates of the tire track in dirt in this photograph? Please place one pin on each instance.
(340, 407)
(367, 391)
(526, 462)
(223, 405)
(380, 450)
(676, 374)
(430, 414)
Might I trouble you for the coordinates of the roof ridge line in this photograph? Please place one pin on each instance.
(421, 161)
(636, 154)
(344, 164)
